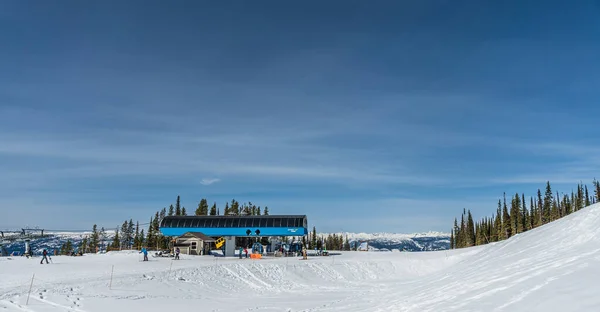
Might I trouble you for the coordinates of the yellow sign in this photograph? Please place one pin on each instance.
(219, 242)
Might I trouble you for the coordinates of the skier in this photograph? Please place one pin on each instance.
(177, 253)
(145, 253)
(240, 252)
(246, 252)
(45, 254)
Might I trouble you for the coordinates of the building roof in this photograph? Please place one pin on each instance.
(198, 235)
(269, 221)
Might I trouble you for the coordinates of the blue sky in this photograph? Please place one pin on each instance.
(368, 117)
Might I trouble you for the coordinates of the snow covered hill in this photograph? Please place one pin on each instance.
(555, 267)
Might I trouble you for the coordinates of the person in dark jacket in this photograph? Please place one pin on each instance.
(45, 256)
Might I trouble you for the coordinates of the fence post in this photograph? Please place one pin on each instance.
(111, 276)
(30, 286)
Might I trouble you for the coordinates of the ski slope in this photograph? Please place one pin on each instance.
(553, 268)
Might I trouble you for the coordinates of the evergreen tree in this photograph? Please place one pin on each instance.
(142, 240)
(84, 245)
(597, 190)
(556, 210)
(171, 210)
(587, 197)
(123, 241)
(452, 238)
(455, 231)
(136, 238)
(540, 209)
(235, 208)
(478, 234)
(500, 233)
(533, 214)
(313, 242)
(266, 212)
(66, 248)
(227, 210)
(526, 222)
(178, 206)
(202, 209)
(213, 209)
(470, 230)
(116, 244)
(156, 226)
(246, 210)
(515, 214)
(547, 205)
(130, 229)
(568, 205)
(95, 239)
(163, 214)
(103, 236)
(561, 206)
(462, 239)
(506, 219)
(151, 239)
(183, 212)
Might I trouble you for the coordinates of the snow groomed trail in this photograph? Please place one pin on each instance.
(552, 268)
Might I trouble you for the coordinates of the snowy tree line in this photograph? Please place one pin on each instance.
(329, 242)
(246, 209)
(521, 216)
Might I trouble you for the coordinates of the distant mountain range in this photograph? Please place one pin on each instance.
(429, 241)
(50, 241)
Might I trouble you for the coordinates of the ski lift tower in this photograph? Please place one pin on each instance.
(27, 248)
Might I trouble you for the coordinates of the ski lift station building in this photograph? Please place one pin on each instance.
(230, 227)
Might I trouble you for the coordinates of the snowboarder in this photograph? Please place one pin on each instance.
(45, 256)
(145, 253)
(177, 253)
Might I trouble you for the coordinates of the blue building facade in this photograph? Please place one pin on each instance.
(239, 226)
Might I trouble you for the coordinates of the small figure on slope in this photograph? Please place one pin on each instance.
(45, 257)
(145, 253)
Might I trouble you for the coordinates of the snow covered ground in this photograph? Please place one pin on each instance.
(552, 268)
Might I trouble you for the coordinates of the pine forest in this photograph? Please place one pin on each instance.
(520, 215)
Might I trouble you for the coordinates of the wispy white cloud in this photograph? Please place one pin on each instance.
(206, 181)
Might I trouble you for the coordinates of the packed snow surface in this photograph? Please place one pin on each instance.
(552, 268)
